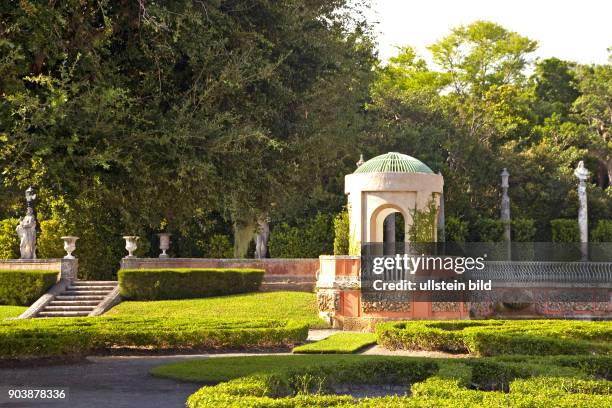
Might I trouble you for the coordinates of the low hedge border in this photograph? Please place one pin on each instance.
(184, 283)
(37, 338)
(498, 337)
(22, 288)
(431, 387)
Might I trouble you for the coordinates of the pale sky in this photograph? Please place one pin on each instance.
(578, 30)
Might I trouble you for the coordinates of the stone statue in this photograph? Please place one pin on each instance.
(26, 230)
(261, 238)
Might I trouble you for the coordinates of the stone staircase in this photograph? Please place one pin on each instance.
(78, 299)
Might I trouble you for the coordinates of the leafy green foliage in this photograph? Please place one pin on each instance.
(602, 232)
(342, 233)
(49, 244)
(423, 228)
(455, 229)
(314, 238)
(140, 114)
(22, 288)
(488, 230)
(177, 283)
(9, 242)
(218, 246)
(565, 230)
(81, 336)
(339, 343)
(523, 230)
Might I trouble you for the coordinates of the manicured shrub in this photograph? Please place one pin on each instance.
(523, 230)
(565, 230)
(22, 288)
(487, 230)
(218, 246)
(78, 336)
(341, 233)
(156, 284)
(455, 229)
(557, 386)
(602, 232)
(498, 337)
(9, 242)
(314, 238)
(49, 244)
(311, 387)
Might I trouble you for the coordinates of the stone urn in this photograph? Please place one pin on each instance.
(69, 246)
(130, 244)
(164, 243)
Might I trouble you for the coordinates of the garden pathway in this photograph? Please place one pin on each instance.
(121, 381)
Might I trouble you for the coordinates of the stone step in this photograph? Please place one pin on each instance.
(94, 283)
(96, 287)
(80, 297)
(62, 314)
(85, 292)
(69, 308)
(74, 303)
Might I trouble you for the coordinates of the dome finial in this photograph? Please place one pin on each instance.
(361, 161)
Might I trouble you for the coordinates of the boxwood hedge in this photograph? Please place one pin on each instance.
(81, 336)
(22, 288)
(432, 384)
(183, 283)
(498, 337)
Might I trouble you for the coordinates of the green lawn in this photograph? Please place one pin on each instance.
(339, 343)
(11, 311)
(215, 370)
(297, 306)
(219, 369)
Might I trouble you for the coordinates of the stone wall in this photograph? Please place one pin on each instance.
(66, 268)
(281, 274)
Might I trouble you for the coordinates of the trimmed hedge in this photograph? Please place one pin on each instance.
(22, 288)
(602, 232)
(564, 230)
(81, 336)
(498, 337)
(433, 383)
(179, 283)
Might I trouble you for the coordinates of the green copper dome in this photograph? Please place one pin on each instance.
(393, 163)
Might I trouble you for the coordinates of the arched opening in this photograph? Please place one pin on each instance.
(393, 233)
(394, 228)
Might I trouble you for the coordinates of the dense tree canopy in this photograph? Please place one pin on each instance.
(199, 117)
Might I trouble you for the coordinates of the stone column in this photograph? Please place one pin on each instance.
(441, 219)
(582, 174)
(505, 206)
(389, 226)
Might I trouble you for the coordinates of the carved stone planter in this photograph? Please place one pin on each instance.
(69, 245)
(131, 245)
(164, 243)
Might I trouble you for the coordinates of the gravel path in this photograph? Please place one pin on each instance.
(116, 382)
(124, 382)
